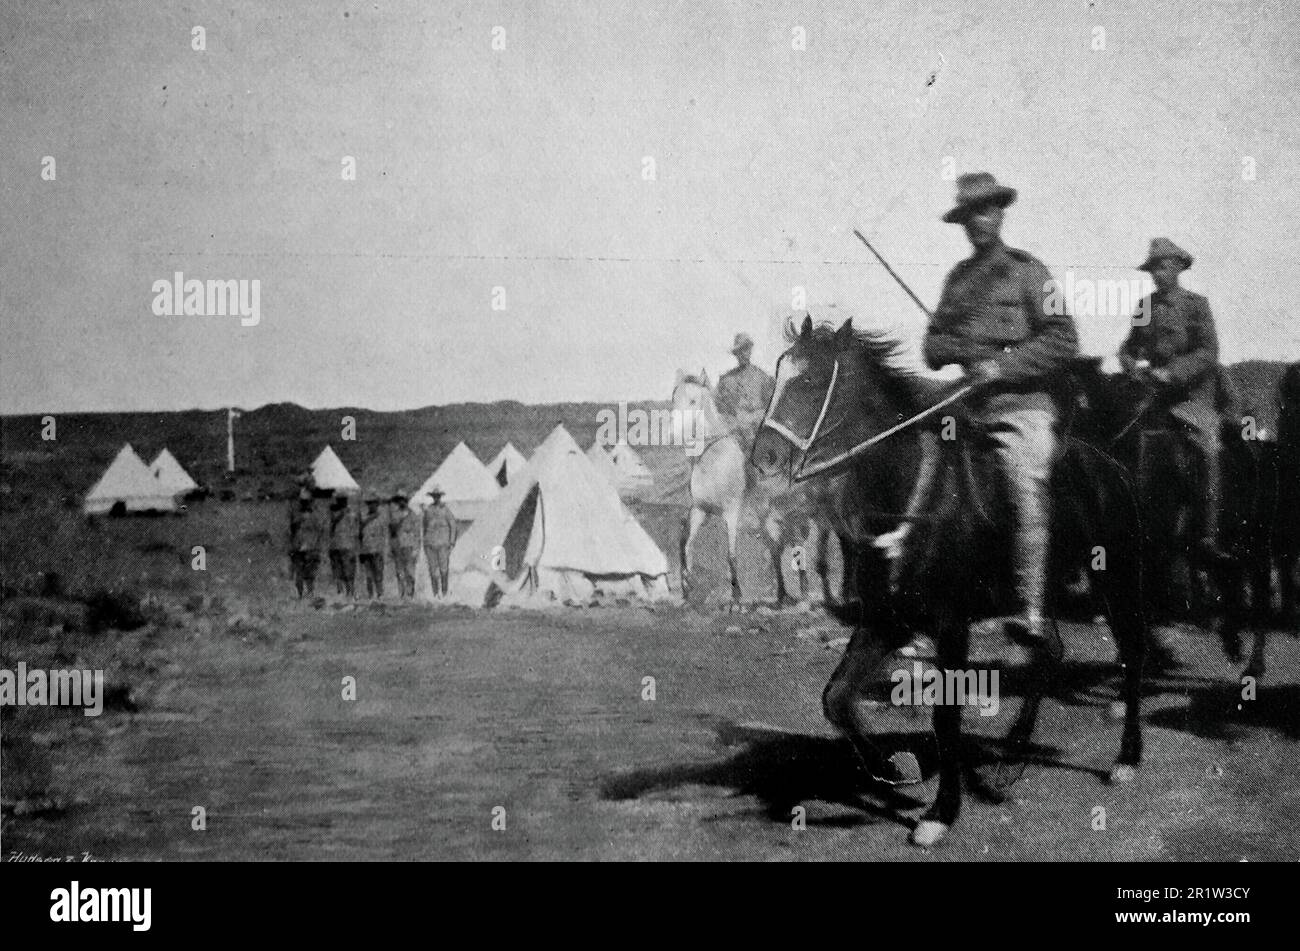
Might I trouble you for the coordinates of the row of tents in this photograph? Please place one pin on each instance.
(550, 528)
(468, 485)
(128, 485)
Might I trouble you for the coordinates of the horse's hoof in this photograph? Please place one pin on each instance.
(907, 770)
(1121, 774)
(928, 833)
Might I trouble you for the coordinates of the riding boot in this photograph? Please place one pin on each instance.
(1032, 543)
(1207, 549)
(893, 544)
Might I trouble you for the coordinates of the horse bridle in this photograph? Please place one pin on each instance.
(803, 472)
(803, 445)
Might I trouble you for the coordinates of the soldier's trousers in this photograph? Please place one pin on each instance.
(439, 559)
(1025, 443)
(372, 566)
(404, 568)
(305, 565)
(1202, 429)
(343, 568)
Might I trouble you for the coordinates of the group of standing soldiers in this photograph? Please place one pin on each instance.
(354, 536)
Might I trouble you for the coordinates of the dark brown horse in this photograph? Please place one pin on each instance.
(840, 389)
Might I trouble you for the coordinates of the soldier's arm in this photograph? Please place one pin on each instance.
(1134, 347)
(1204, 341)
(942, 345)
(1053, 340)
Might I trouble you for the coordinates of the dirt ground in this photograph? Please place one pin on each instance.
(231, 698)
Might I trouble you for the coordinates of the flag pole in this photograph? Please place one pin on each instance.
(230, 439)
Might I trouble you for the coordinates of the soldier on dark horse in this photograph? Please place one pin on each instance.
(971, 477)
(1174, 349)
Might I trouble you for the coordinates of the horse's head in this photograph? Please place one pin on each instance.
(692, 391)
(834, 390)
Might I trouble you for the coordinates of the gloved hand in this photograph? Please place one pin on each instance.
(984, 373)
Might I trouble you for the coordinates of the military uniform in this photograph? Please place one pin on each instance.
(997, 306)
(306, 535)
(1174, 331)
(743, 394)
(404, 538)
(439, 537)
(373, 540)
(344, 531)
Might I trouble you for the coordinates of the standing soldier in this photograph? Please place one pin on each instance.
(344, 530)
(404, 537)
(744, 392)
(999, 320)
(374, 537)
(1173, 343)
(439, 537)
(305, 537)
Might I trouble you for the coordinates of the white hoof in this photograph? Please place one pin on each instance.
(928, 833)
(1119, 775)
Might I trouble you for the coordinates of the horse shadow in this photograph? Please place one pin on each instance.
(783, 769)
(1219, 712)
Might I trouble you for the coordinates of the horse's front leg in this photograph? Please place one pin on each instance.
(774, 538)
(933, 826)
(732, 517)
(690, 526)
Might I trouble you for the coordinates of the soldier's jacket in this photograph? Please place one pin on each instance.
(344, 529)
(374, 532)
(404, 530)
(439, 526)
(1000, 305)
(306, 533)
(743, 393)
(1179, 338)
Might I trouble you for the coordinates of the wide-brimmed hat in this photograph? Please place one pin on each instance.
(976, 189)
(743, 341)
(1164, 248)
(436, 491)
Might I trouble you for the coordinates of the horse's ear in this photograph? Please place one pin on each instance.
(806, 331)
(791, 331)
(704, 377)
(844, 332)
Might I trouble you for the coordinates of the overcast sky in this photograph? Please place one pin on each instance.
(523, 168)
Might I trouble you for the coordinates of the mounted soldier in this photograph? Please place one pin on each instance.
(1174, 348)
(743, 392)
(997, 320)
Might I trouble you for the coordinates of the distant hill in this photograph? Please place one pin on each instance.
(275, 442)
(391, 450)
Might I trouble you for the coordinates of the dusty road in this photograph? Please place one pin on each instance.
(542, 714)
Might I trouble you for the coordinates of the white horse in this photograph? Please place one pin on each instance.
(720, 481)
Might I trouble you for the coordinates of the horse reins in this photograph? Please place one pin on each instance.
(807, 473)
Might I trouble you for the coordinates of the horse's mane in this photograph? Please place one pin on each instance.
(694, 378)
(883, 346)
